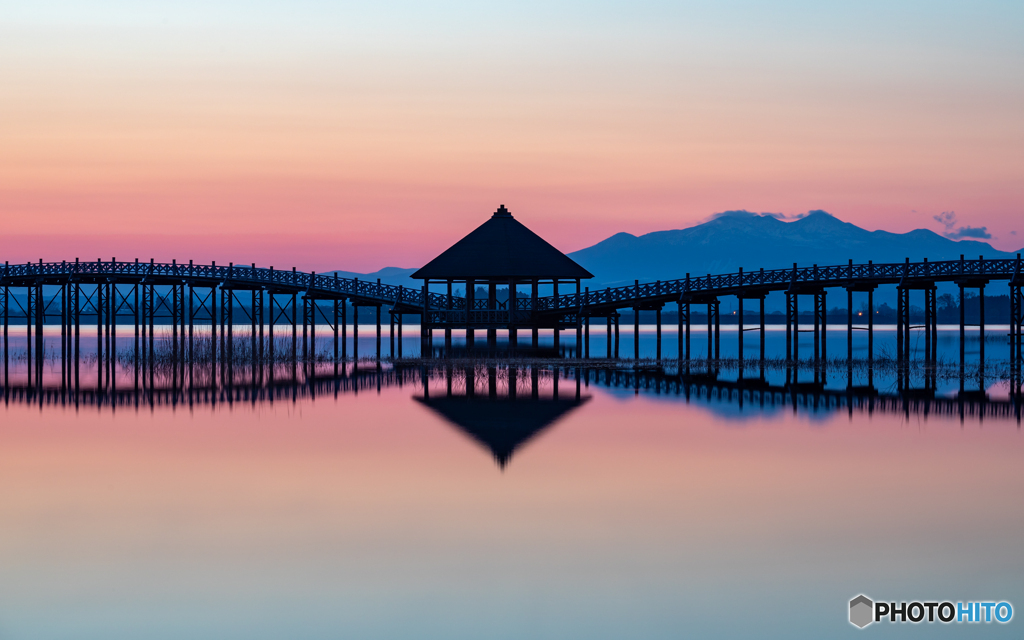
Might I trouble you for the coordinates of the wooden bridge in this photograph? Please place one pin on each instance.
(115, 293)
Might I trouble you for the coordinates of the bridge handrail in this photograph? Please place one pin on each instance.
(721, 284)
(249, 275)
(830, 275)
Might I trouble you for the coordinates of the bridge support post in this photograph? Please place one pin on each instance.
(400, 335)
(30, 320)
(191, 331)
(657, 322)
(391, 334)
(616, 336)
(111, 333)
(177, 308)
(579, 323)
(711, 335)
(64, 338)
(344, 329)
(295, 338)
(1016, 323)
(962, 336)
(871, 328)
(824, 326)
(337, 347)
(686, 339)
(928, 336)
(761, 320)
(679, 334)
(355, 331)
(259, 325)
(849, 326)
(906, 337)
(40, 321)
(135, 308)
(788, 327)
(271, 323)
(636, 333)
(231, 336)
(77, 309)
(149, 311)
(608, 338)
(98, 306)
(586, 337)
(7, 301)
(739, 328)
(305, 336)
(981, 325)
(899, 324)
(378, 335)
(817, 328)
(935, 326)
(221, 320)
(718, 332)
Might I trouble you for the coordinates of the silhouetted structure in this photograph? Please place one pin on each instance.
(501, 252)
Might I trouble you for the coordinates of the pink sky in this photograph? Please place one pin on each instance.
(283, 142)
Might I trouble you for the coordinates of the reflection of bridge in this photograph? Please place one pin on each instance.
(807, 396)
(473, 397)
(114, 294)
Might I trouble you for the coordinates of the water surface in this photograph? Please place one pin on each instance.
(470, 503)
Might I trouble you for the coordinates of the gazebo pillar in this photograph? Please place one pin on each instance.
(558, 320)
(448, 321)
(424, 321)
(579, 323)
(492, 304)
(470, 303)
(511, 304)
(533, 306)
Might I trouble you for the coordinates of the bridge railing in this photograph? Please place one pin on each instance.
(373, 292)
(829, 275)
(227, 275)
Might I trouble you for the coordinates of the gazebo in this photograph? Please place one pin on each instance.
(500, 252)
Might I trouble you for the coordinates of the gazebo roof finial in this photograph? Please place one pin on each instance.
(502, 212)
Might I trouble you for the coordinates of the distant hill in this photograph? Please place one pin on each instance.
(387, 275)
(748, 240)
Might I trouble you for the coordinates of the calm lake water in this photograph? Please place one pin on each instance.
(476, 502)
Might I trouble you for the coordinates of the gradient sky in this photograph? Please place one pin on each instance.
(359, 135)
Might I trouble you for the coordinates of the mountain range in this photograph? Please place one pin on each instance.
(743, 239)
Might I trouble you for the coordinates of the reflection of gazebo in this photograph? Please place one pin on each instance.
(501, 422)
(501, 425)
(500, 252)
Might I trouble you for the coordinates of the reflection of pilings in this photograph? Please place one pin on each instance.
(753, 392)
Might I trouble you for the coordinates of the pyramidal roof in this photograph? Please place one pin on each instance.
(499, 249)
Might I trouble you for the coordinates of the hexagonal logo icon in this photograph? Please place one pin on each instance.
(861, 609)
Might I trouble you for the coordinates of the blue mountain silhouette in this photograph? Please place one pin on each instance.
(752, 241)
